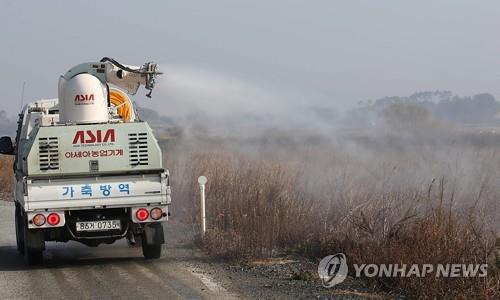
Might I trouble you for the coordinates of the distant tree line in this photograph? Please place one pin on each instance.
(441, 105)
(153, 117)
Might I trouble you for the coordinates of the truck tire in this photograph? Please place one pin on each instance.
(19, 230)
(34, 244)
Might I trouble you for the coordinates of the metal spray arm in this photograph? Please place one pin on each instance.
(126, 77)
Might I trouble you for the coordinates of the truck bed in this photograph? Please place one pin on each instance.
(96, 192)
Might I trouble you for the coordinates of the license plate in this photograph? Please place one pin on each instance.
(98, 225)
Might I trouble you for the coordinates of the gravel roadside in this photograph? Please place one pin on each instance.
(283, 278)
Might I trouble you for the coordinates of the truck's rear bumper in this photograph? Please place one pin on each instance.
(96, 192)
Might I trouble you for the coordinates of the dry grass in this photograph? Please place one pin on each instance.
(413, 205)
(6, 175)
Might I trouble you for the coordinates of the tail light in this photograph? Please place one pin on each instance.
(39, 220)
(142, 214)
(156, 213)
(53, 219)
(46, 219)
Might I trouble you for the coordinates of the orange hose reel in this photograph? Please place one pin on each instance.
(122, 102)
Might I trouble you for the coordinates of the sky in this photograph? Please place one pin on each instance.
(277, 53)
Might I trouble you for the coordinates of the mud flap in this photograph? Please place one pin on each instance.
(153, 234)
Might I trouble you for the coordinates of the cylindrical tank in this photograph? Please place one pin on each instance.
(82, 100)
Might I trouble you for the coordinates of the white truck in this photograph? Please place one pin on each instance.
(86, 167)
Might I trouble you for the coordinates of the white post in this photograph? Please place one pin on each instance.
(202, 180)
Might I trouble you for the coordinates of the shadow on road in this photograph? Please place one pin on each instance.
(75, 255)
(11, 260)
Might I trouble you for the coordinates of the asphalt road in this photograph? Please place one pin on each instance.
(117, 271)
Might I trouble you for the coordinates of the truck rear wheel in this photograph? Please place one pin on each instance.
(19, 230)
(34, 244)
(152, 240)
